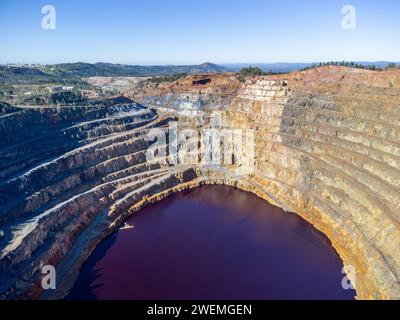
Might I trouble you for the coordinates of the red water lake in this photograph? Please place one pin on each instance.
(213, 242)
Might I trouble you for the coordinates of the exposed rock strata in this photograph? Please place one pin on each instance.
(327, 146)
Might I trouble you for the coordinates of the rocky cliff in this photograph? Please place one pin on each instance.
(325, 144)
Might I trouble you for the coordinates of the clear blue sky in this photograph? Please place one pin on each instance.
(195, 31)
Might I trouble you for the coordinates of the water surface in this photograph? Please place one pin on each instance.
(214, 242)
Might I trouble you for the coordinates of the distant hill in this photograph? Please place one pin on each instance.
(67, 72)
(73, 72)
(107, 69)
(288, 67)
(275, 67)
(24, 75)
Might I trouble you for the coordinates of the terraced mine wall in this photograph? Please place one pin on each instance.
(334, 160)
(326, 146)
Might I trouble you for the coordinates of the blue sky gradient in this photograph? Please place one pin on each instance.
(186, 32)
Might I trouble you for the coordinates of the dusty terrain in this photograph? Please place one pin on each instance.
(115, 84)
(327, 147)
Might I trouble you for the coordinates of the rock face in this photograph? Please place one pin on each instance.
(326, 146)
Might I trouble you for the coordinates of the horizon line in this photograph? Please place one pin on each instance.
(199, 64)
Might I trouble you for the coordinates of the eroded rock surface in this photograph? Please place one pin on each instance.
(326, 146)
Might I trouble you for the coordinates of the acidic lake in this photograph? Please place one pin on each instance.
(213, 242)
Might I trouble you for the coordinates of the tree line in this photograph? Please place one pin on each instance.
(350, 64)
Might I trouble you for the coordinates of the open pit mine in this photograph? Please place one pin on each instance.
(325, 142)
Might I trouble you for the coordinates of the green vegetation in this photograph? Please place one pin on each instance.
(343, 64)
(392, 65)
(71, 73)
(36, 100)
(68, 98)
(36, 93)
(6, 108)
(108, 102)
(13, 75)
(252, 72)
(26, 75)
(255, 71)
(6, 91)
(170, 78)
